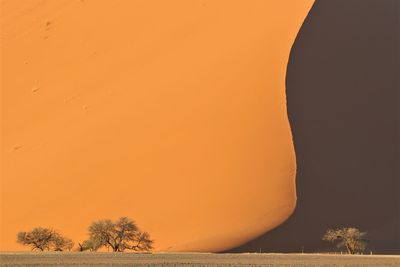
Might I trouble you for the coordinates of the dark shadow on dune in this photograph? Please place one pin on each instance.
(342, 91)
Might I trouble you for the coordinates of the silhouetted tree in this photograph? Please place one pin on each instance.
(44, 239)
(89, 245)
(60, 243)
(38, 239)
(119, 236)
(351, 238)
(81, 248)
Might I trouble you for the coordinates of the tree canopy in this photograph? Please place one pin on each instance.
(44, 239)
(120, 235)
(351, 238)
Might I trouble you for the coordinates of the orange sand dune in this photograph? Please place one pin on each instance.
(169, 112)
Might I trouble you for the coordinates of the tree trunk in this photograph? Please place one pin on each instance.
(349, 251)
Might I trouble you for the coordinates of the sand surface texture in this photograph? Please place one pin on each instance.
(172, 113)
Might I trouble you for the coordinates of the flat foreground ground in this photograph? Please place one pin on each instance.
(194, 259)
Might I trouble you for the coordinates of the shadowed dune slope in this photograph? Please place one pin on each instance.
(342, 89)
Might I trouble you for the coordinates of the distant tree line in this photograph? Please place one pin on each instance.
(123, 234)
(118, 236)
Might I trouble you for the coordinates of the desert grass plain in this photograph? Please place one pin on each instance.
(196, 260)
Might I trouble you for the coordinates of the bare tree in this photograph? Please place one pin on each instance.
(119, 236)
(38, 239)
(44, 239)
(142, 242)
(89, 245)
(60, 243)
(351, 238)
(81, 248)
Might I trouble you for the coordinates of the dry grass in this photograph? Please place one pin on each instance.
(195, 260)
